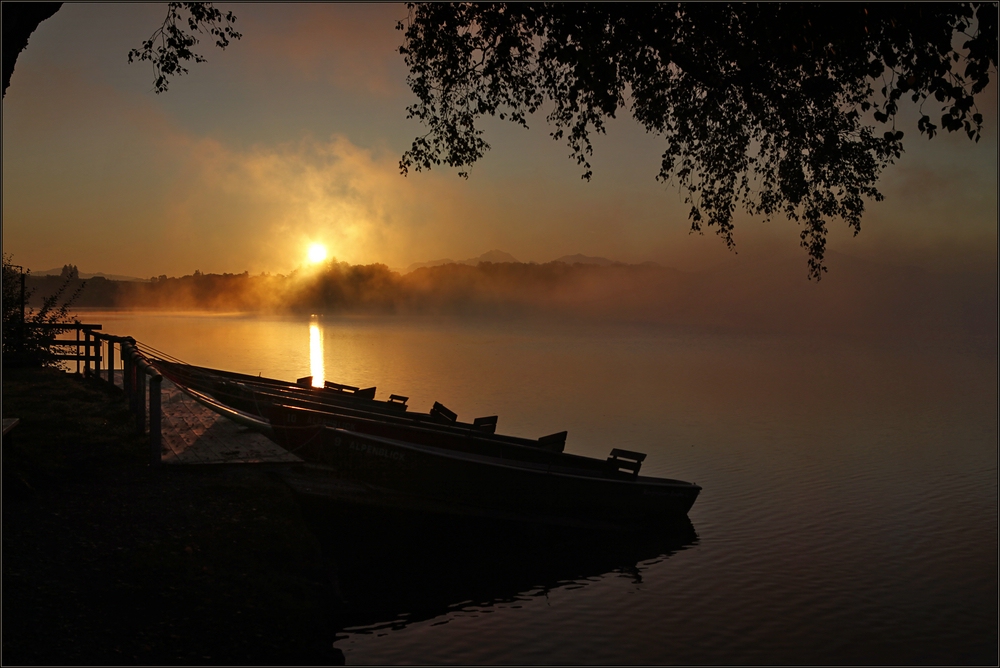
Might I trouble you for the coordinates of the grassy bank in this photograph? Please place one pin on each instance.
(107, 560)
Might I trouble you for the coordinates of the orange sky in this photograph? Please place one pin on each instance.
(293, 135)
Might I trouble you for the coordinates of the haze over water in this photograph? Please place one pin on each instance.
(848, 512)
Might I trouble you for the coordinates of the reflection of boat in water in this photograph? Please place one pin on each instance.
(394, 567)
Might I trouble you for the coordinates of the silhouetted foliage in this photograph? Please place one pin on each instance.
(768, 106)
(24, 342)
(167, 48)
(170, 44)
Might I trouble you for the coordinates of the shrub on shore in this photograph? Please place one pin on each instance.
(28, 333)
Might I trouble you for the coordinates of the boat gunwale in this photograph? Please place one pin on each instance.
(425, 425)
(318, 394)
(530, 467)
(600, 467)
(234, 414)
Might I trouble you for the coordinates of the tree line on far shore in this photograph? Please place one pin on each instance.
(342, 287)
(865, 297)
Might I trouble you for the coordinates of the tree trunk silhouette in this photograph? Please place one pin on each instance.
(20, 20)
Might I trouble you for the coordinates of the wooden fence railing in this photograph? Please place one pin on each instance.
(92, 348)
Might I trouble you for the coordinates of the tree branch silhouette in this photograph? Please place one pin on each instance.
(769, 107)
(167, 48)
(170, 44)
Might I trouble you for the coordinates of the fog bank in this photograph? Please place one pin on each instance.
(856, 296)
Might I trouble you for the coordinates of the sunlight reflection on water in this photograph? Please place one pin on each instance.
(316, 352)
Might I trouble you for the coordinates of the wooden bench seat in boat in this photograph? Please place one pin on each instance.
(626, 460)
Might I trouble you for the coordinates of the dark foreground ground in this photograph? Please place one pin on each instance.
(107, 560)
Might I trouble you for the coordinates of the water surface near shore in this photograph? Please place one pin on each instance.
(849, 511)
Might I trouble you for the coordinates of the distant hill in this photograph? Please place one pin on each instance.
(85, 275)
(498, 256)
(432, 263)
(580, 258)
(490, 256)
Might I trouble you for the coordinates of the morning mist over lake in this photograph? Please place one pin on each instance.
(313, 208)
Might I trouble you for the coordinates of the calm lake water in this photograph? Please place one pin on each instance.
(848, 512)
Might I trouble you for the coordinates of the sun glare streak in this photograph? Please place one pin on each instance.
(316, 353)
(317, 253)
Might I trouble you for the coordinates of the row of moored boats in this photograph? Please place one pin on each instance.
(434, 460)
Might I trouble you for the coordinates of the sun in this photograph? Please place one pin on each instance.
(317, 253)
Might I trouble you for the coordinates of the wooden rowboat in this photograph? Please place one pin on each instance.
(402, 427)
(502, 481)
(252, 394)
(459, 469)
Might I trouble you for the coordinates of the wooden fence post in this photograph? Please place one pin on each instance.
(140, 396)
(135, 379)
(111, 362)
(134, 373)
(154, 418)
(126, 374)
(86, 352)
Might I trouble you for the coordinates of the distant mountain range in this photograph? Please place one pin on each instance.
(491, 256)
(85, 275)
(580, 258)
(501, 256)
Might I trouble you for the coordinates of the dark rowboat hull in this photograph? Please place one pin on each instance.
(472, 483)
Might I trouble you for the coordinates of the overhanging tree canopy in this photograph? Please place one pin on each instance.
(772, 107)
(168, 48)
